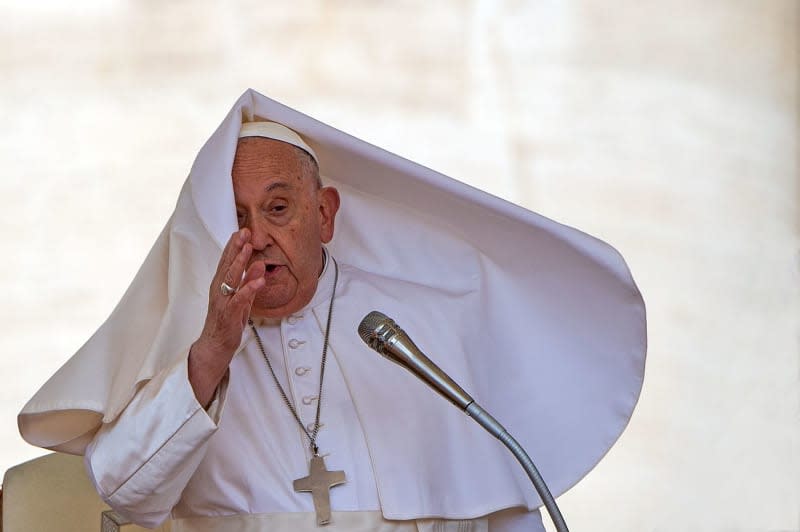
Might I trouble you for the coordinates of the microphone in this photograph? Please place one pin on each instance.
(383, 335)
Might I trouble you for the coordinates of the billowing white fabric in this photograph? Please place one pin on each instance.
(540, 322)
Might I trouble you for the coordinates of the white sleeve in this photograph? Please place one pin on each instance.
(141, 462)
(516, 520)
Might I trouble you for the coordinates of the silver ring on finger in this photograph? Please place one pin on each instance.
(226, 289)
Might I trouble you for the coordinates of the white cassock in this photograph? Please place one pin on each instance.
(232, 468)
(541, 323)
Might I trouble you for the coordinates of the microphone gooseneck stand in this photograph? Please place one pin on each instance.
(383, 335)
(485, 420)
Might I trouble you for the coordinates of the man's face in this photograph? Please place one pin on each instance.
(289, 217)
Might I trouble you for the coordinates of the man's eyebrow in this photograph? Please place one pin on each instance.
(279, 184)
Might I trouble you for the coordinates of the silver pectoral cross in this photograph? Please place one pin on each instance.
(319, 482)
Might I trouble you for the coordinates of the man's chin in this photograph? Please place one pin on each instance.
(261, 311)
(276, 307)
(271, 303)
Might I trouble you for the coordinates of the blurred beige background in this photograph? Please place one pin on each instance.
(667, 128)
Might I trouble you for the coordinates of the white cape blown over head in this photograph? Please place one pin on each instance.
(549, 321)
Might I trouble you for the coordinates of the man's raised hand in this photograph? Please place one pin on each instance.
(227, 315)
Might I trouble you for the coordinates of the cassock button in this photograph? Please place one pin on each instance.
(294, 343)
(302, 370)
(308, 399)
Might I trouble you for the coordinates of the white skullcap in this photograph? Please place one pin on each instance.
(276, 131)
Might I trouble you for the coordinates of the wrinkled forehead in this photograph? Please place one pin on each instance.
(276, 131)
(261, 162)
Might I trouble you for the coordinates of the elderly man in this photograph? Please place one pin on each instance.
(222, 412)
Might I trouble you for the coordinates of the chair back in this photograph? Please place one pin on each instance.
(53, 494)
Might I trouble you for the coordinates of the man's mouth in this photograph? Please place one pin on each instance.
(271, 269)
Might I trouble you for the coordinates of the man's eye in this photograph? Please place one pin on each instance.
(277, 208)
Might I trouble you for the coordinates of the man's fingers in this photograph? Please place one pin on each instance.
(233, 276)
(256, 270)
(252, 283)
(223, 322)
(242, 300)
(232, 249)
(232, 311)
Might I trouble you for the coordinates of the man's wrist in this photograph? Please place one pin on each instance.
(206, 368)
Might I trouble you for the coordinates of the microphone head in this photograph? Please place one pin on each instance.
(374, 328)
(370, 323)
(383, 335)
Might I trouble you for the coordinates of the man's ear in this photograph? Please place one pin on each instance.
(328, 207)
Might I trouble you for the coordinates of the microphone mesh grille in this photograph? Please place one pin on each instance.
(370, 322)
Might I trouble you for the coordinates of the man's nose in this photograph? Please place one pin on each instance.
(261, 236)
